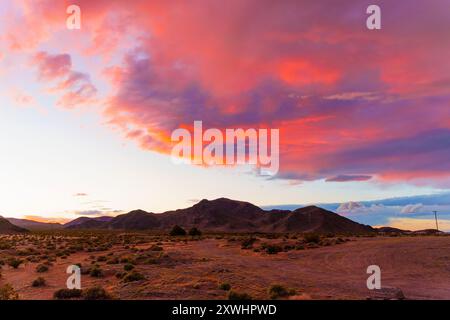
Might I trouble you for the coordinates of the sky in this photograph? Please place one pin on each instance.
(86, 115)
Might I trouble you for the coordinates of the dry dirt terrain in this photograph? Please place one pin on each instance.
(335, 268)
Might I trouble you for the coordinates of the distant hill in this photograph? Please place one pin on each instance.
(225, 215)
(34, 225)
(427, 232)
(315, 219)
(7, 227)
(87, 222)
(391, 230)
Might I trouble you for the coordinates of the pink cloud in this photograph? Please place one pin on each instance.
(350, 103)
(75, 87)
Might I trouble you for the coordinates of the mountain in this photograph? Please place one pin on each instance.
(217, 215)
(135, 220)
(87, 222)
(391, 230)
(7, 227)
(315, 219)
(225, 215)
(34, 225)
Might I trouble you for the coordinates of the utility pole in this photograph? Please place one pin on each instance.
(435, 217)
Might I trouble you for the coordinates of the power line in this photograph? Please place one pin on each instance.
(435, 217)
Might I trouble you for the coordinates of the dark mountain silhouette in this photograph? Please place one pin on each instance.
(225, 215)
(95, 222)
(7, 227)
(34, 225)
(135, 220)
(315, 219)
(217, 215)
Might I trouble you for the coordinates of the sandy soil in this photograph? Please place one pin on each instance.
(419, 266)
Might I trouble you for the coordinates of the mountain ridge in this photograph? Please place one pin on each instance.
(96, 221)
(34, 225)
(7, 227)
(226, 215)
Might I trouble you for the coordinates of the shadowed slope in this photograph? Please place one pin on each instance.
(34, 225)
(7, 227)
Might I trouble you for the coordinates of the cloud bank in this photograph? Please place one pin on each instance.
(351, 104)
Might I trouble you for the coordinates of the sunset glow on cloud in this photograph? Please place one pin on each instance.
(352, 105)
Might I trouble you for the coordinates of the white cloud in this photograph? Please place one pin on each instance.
(356, 207)
(369, 96)
(412, 208)
(351, 206)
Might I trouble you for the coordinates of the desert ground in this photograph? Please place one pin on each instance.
(145, 266)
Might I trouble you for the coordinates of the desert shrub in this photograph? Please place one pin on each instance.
(156, 248)
(394, 235)
(33, 259)
(225, 286)
(114, 260)
(96, 272)
(195, 232)
(312, 238)
(312, 245)
(7, 292)
(273, 249)
(177, 231)
(128, 267)
(14, 262)
(96, 293)
(127, 260)
(277, 291)
(248, 243)
(133, 276)
(5, 246)
(156, 260)
(39, 282)
(101, 259)
(67, 294)
(75, 248)
(41, 268)
(233, 295)
(326, 243)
